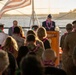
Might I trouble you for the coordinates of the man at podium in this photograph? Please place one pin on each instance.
(49, 25)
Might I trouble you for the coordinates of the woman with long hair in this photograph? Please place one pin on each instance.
(42, 35)
(10, 45)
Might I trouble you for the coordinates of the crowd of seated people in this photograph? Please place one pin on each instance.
(33, 55)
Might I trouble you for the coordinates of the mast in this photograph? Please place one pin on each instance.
(49, 6)
(34, 16)
(33, 12)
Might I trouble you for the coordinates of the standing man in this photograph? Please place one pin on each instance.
(69, 28)
(49, 25)
(11, 29)
(69, 44)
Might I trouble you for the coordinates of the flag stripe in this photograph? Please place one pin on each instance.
(17, 4)
(13, 4)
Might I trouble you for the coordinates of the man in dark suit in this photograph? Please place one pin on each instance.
(49, 25)
(11, 29)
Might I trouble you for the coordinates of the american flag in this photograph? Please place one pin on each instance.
(14, 4)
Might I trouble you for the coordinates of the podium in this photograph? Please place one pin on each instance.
(53, 36)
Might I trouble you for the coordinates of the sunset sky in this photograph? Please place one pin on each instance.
(44, 7)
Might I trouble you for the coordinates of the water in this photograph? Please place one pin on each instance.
(26, 21)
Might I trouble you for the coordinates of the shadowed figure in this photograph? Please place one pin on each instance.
(30, 65)
(23, 50)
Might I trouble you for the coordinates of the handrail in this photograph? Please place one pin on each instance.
(22, 27)
(29, 27)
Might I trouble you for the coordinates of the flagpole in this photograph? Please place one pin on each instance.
(33, 12)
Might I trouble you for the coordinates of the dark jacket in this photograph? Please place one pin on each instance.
(10, 32)
(54, 71)
(46, 43)
(51, 28)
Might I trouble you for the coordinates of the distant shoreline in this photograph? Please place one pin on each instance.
(61, 16)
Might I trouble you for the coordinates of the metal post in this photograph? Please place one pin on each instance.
(33, 12)
(49, 6)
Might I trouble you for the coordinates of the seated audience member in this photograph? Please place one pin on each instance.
(68, 30)
(49, 25)
(32, 53)
(30, 65)
(35, 27)
(31, 44)
(38, 42)
(10, 70)
(17, 36)
(42, 35)
(4, 61)
(23, 50)
(22, 32)
(3, 35)
(10, 45)
(49, 58)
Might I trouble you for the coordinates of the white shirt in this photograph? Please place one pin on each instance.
(3, 37)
